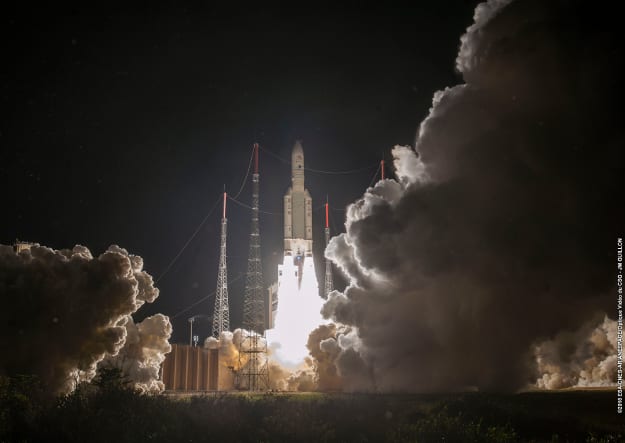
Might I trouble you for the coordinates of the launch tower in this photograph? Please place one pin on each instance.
(221, 314)
(254, 373)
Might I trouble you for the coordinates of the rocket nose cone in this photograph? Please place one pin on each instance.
(297, 148)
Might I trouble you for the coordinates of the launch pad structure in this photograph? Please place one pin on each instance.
(297, 285)
(188, 369)
(221, 314)
(253, 374)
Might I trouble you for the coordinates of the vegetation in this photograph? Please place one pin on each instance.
(108, 410)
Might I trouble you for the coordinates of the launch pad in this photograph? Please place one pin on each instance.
(240, 361)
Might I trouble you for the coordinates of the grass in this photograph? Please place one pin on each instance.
(115, 413)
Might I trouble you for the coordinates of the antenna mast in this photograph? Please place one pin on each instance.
(221, 314)
(329, 283)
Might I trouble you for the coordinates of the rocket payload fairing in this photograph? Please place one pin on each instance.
(297, 214)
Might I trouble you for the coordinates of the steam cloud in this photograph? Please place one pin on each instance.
(582, 358)
(497, 241)
(144, 351)
(66, 312)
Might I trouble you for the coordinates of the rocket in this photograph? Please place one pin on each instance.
(298, 308)
(297, 212)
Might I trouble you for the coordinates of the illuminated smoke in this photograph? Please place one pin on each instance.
(324, 350)
(298, 314)
(228, 357)
(67, 311)
(582, 358)
(302, 380)
(472, 48)
(499, 233)
(144, 351)
(336, 360)
(230, 361)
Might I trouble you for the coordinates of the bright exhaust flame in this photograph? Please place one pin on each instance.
(299, 307)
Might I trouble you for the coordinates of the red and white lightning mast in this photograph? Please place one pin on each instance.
(221, 314)
(329, 283)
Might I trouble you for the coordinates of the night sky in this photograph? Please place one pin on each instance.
(123, 127)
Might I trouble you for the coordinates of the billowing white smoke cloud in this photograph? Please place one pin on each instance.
(472, 48)
(66, 311)
(228, 357)
(499, 232)
(583, 358)
(144, 351)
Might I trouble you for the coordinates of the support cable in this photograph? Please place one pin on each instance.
(239, 277)
(249, 207)
(188, 241)
(319, 171)
(247, 174)
(375, 175)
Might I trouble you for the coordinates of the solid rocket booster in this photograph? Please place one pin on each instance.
(297, 211)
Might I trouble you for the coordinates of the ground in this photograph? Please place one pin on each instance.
(121, 415)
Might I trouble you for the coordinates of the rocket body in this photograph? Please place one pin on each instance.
(297, 211)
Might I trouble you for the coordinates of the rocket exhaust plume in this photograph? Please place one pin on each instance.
(477, 268)
(70, 312)
(299, 307)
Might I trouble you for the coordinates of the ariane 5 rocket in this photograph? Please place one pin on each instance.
(297, 212)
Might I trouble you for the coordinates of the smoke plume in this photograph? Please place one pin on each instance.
(66, 311)
(582, 358)
(144, 351)
(500, 231)
(228, 357)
